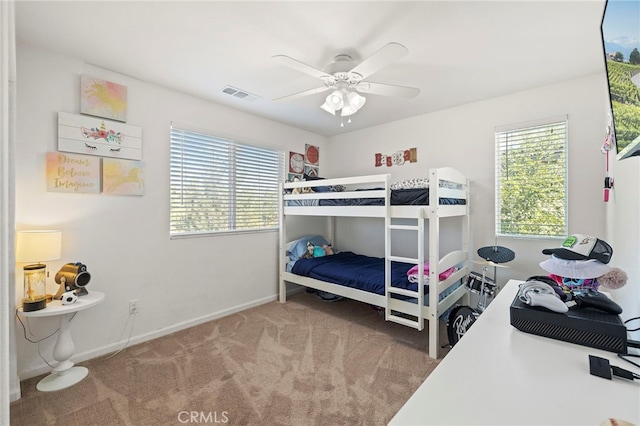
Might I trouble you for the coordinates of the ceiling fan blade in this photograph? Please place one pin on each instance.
(301, 66)
(383, 57)
(388, 90)
(301, 94)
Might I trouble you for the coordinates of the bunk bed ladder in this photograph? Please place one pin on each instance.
(416, 321)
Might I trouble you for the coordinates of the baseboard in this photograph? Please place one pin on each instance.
(112, 347)
(15, 394)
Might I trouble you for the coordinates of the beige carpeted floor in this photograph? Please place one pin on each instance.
(306, 362)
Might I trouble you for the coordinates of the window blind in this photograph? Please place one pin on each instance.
(531, 180)
(218, 185)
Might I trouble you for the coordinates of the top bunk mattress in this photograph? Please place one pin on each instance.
(445, 186)
(398, 197)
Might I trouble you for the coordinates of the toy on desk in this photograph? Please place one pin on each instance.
(68, 298)
(72, 277)
(613, 279)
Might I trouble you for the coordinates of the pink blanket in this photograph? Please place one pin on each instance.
(413, 272)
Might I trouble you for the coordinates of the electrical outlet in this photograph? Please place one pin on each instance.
(134, 306)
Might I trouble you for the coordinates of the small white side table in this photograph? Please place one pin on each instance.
(64, 373)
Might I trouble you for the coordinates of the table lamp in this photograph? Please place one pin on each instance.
(37, 246)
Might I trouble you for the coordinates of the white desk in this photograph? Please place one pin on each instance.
(498, 375)
(64, 373)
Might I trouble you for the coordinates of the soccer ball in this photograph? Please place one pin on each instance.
(69, 297)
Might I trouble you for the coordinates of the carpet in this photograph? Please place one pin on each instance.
(305, 362)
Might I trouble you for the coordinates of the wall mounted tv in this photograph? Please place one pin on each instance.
(621, 40)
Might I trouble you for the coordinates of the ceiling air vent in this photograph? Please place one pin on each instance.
(240, 94)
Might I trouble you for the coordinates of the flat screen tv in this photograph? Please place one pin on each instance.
(621, 40)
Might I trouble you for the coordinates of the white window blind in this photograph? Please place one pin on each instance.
(219, 185)
(531, 179)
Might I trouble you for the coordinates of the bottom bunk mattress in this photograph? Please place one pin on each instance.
(361, 272)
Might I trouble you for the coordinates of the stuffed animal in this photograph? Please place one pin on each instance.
(613, 279)
(303, 190)
(317, 251)
(310, 249)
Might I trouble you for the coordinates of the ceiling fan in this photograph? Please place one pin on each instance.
(346, 79)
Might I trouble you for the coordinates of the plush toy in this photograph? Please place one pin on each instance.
(613, 279)
(317, 251)
(303, 190)
(309, 253)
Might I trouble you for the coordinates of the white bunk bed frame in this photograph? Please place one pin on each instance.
(396, 310)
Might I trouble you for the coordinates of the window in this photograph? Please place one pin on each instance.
(220, 186)
(531, 179)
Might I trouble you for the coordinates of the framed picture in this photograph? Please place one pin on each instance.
(296, 163)
(103, 98)
(312, 155)
(122, 177)
(292, 177)
(311, 171)
(93, 136)
(73, 173)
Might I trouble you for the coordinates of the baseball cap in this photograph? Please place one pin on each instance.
(582, 247)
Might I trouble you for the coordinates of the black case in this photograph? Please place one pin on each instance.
(582, 326)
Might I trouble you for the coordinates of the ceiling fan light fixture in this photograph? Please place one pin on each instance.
(327, 108)
(335, 100)
(356, 100)
(347, 110)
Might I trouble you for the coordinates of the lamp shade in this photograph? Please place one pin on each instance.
(335, 100)
(38, 246)
(327, 108)
(356, 100)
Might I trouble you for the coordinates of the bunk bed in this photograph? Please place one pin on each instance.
(432, 292)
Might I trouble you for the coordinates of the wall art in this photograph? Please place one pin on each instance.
(122, 177)
(72, 173)
(312, 155)
(398, 158)
(94, 136)
(311, 171)
(103, 98)
(296, 162)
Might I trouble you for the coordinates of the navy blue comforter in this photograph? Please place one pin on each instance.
(355, 270)
(399, 197)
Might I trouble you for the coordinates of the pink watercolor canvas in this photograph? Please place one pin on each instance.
(72, 173)
(122, 177)
(103, 98)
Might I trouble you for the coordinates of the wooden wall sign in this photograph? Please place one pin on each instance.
(398, 158)
(95, 136)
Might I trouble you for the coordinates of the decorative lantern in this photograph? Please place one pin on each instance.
(37, 246)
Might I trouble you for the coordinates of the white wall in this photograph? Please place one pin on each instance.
(463, 138)
(624, 230)
(124, 241)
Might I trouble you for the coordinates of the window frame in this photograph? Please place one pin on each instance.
(234, 144)
(521, 127)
